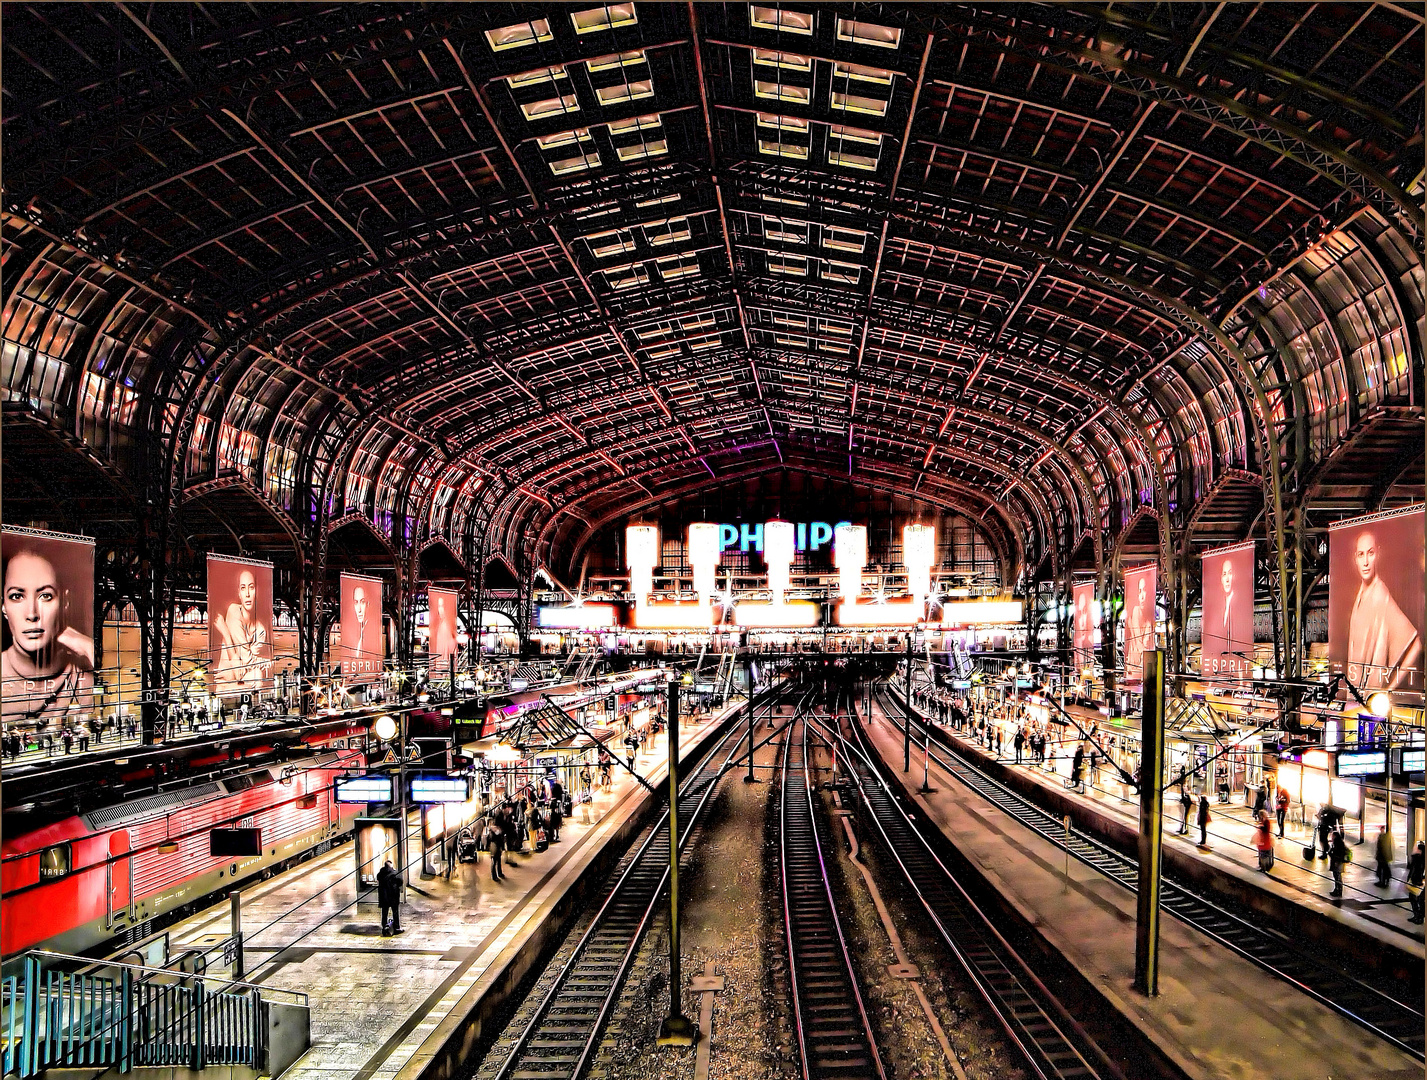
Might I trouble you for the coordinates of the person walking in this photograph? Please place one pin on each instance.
(389, 897)
(1386, 849)
(1281, 806)
(1186, 803)
(1263, 839)
(1338, 857)
(1204, 818)
(1416, 867)
(495, 843)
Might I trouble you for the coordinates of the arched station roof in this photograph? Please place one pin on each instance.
(506, 268)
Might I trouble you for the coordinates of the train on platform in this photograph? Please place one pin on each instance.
(116, 874)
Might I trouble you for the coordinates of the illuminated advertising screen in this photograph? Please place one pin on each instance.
(1228, 622)
(240, 621)
(1082, 626)
(1140, 586)
(441, 616)
(362, 650)
(1375, 575)
(47, 662)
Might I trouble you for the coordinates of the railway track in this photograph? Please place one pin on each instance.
(1399, 1022)
(563, 1033)
(835, 1038)
(1051, 1041)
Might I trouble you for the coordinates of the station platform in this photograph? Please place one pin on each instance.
(411, 1005)
(1216, 1015)
(1368, 920)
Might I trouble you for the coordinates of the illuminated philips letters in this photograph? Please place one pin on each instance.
(807, 535)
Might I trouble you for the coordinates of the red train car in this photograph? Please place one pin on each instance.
(81, 881)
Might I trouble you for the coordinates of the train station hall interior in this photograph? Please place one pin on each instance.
(713, 541)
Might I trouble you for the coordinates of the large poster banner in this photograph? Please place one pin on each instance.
(1228, 620)
(1140, 586)
(441, 619)
(1375, 574)
(240, 622)
(47, 662)
(1082, 628)
(361, 629)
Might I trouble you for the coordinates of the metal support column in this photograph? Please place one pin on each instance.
(752, 717)
(1151, 824)
(907, 712)
(235, 908)
(677, 1029)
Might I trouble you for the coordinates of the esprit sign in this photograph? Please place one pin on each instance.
(809, 536)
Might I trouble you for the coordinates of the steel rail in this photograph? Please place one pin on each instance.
(835, 1038)
(1397, 1022)
(1054, 1045)
(562, 1034)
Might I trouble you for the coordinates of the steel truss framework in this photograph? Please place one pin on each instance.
(337, 284)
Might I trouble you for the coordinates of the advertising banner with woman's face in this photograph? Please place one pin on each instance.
(441, 619)
(1140, 586)
(240, 625)
(362, 650)
(47, 662)
(1082, 626)
(1228, 622)
(1375, 575)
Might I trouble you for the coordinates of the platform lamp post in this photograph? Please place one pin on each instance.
(918, 555)
(1151, 824)
(677, 1029)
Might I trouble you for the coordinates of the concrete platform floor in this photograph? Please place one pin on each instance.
(376, 1000)
(1379, 912)
(1216, 1016)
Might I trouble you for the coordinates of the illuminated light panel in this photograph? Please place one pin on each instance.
(776, 616)
(674, 616)
(849, 552)
(581, 617)
(641, 555)
(885, 613)
(704, 556)
(779, 545)
(982, 612)
(918, 555)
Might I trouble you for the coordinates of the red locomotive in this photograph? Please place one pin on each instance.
(83, 880)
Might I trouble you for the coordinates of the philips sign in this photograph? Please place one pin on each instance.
(810, 535)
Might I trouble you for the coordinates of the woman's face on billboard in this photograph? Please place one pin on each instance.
(32, 602)
(1365, 555)
(247, 590)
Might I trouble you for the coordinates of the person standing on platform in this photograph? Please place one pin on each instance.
(1263, 840)
(1416, 868)
(1077, 769)
(1019, 742)
(389, 897)
(1281, 806)
(555, 818)
(495, 843)
(1186, 803)
(1204, 818)
(1338, 857)
(1386, 849)
(1325, 830)
(1261, 797)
